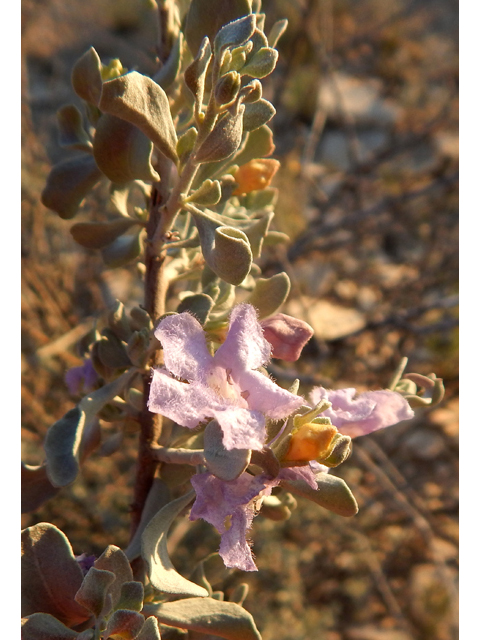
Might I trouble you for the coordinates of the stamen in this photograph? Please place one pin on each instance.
(229, 378)
(245, 394)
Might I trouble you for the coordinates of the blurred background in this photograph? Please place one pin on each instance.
(366, 129)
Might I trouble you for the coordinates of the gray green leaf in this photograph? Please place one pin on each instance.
(270, 294)
(43, 626)
(68, 183)
(71, 131)
(207, 615)
(50, 575)
(97, 235)
(87, 77)
(142, 102)
(226, 465)
(122, 152)
(333, 494)
(257, 113)
(162, 573)
(93, 591)
(207, 17)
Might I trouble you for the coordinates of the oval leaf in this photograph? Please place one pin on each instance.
(62, 445)
(333, 494)
(257, 114)
(50, 575)
(259, 144)
(208, 615)
(43, 626)
(96, 235)
(150, 630)
(123, 250)
(94, 589)
(162, 573)
(68, 183)
(207, 17)
(226, 465)
(122, 151)
(158, 497)
(199, 305)
(269, 294)
(115, 561)
(142, 102)
(224, 139)
(72, 133)
(87, 77)
(36, 487)
(124, 625)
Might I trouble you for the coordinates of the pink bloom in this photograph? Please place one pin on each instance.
(195, 386)
(370, 411)
(231, 506)
(287, 336)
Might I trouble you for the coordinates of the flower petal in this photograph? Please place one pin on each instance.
(305, 473)
(242, 428)
(244, 347)
(184, 346)
(186, 404)
(266, 396)
(369, 412)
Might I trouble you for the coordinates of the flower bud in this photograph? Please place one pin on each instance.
(254, 175)
(227, 88)
(311, 441)
(287, 336)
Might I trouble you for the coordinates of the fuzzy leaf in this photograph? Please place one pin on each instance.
(97, 235)
(50, 575)
(112, 351)
(150, 630)
(94, 589)
(269, 294)
(62, 445)
(332, 494)
(114, 560)
(68, 183)
(158, 497)
(256, 232)
(43, 626)
(166, 76)
(36, 487)
(235, 33)
(226, 465)
(207, 17)
(131, 596)
(198, 305)
(224, 139)
(123, 250)
(207, 615)
(208, 194)
(64, 438)
(71, 131)
(226, 250)
(142, 102)
(122, 152)
(87, 77)
(124, 625)
(195, 73)
(257, 114)
(277, 31)
(258, 144)
(262, 63)
(162, 573)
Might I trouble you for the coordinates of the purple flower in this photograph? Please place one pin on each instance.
(231, 506)
(370, 411)
(195, 386)
(86, 562)
(81, 378)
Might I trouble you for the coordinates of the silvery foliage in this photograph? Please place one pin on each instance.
(176, 141)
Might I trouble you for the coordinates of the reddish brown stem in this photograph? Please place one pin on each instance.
(155, 294)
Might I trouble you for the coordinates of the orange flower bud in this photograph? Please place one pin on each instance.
(311, 442)
(254, 175)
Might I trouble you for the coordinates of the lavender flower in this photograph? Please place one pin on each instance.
(231, 506)
(369, 411)
(195, 386)
(81, 378)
